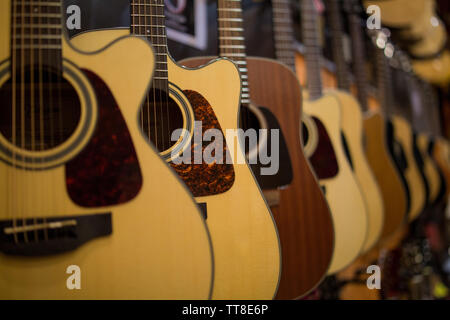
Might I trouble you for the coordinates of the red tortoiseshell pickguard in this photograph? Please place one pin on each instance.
(323, 160)
(205, 179)
(106, 172)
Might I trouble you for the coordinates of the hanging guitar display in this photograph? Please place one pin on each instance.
(243, 232)
(79, 178)
(305, 227)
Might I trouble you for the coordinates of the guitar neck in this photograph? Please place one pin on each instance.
(313, 51)
(353, 8)
(283, 32)
(384, 80)
(337, 39)
(36, 32)
(148, 20)
(232, 41)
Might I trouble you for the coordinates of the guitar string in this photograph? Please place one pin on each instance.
(31, 67)
(50, 70)
(59, 81)
(147, 98)
(22, 110)
(282, 20)
(155, 113)
(312, 52)
(13, 115)
(226, 40)
(155, 41)
(41, 31)
(165, 67)
(164, 93)
(136, 32)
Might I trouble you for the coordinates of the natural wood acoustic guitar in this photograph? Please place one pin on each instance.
(302, 215)
(352, 129)
(323, 143)
(82, 192)
(246, 246)
(381, 161)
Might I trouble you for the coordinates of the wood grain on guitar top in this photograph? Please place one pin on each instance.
(154, 252)
(205, 179)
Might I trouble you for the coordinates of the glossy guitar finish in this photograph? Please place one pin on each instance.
(384, 169)
(341, 188)
(325, 148)
(302, 215)
(403, 134)
(430, 168)
(160, 251)
(301, 212)
(352, 128)
(441, 154)
(243, 233)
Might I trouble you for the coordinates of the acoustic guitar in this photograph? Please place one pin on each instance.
(243, 232)
(440, 151)
(399, 132)
(380, 160)
(417, 99)
(323, 143)
(425, 141)
(302, 215)
(352, 129)
(82, 192)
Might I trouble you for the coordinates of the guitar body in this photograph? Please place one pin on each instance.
(386, 174)
(302, 215)
(402, 133)
(441, 154)
(147, 247)
(429, 168)
(243, 232)
(324, 146)
(352, 128)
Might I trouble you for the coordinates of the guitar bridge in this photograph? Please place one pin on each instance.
(41, 226)
(50, 236)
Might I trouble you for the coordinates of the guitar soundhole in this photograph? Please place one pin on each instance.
(249, 120)
(305, 135)
(43, 112)
(160, 115)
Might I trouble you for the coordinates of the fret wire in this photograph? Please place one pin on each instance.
(38, 26)
(313, 52)
(232, 41)
(283, 33)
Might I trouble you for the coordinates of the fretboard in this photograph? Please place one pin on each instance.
(313, 51)
(148, 20)
(384, 80)
(36, 27)
(232, 40)
(283, 32)
(337, 39)
(358, 50)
